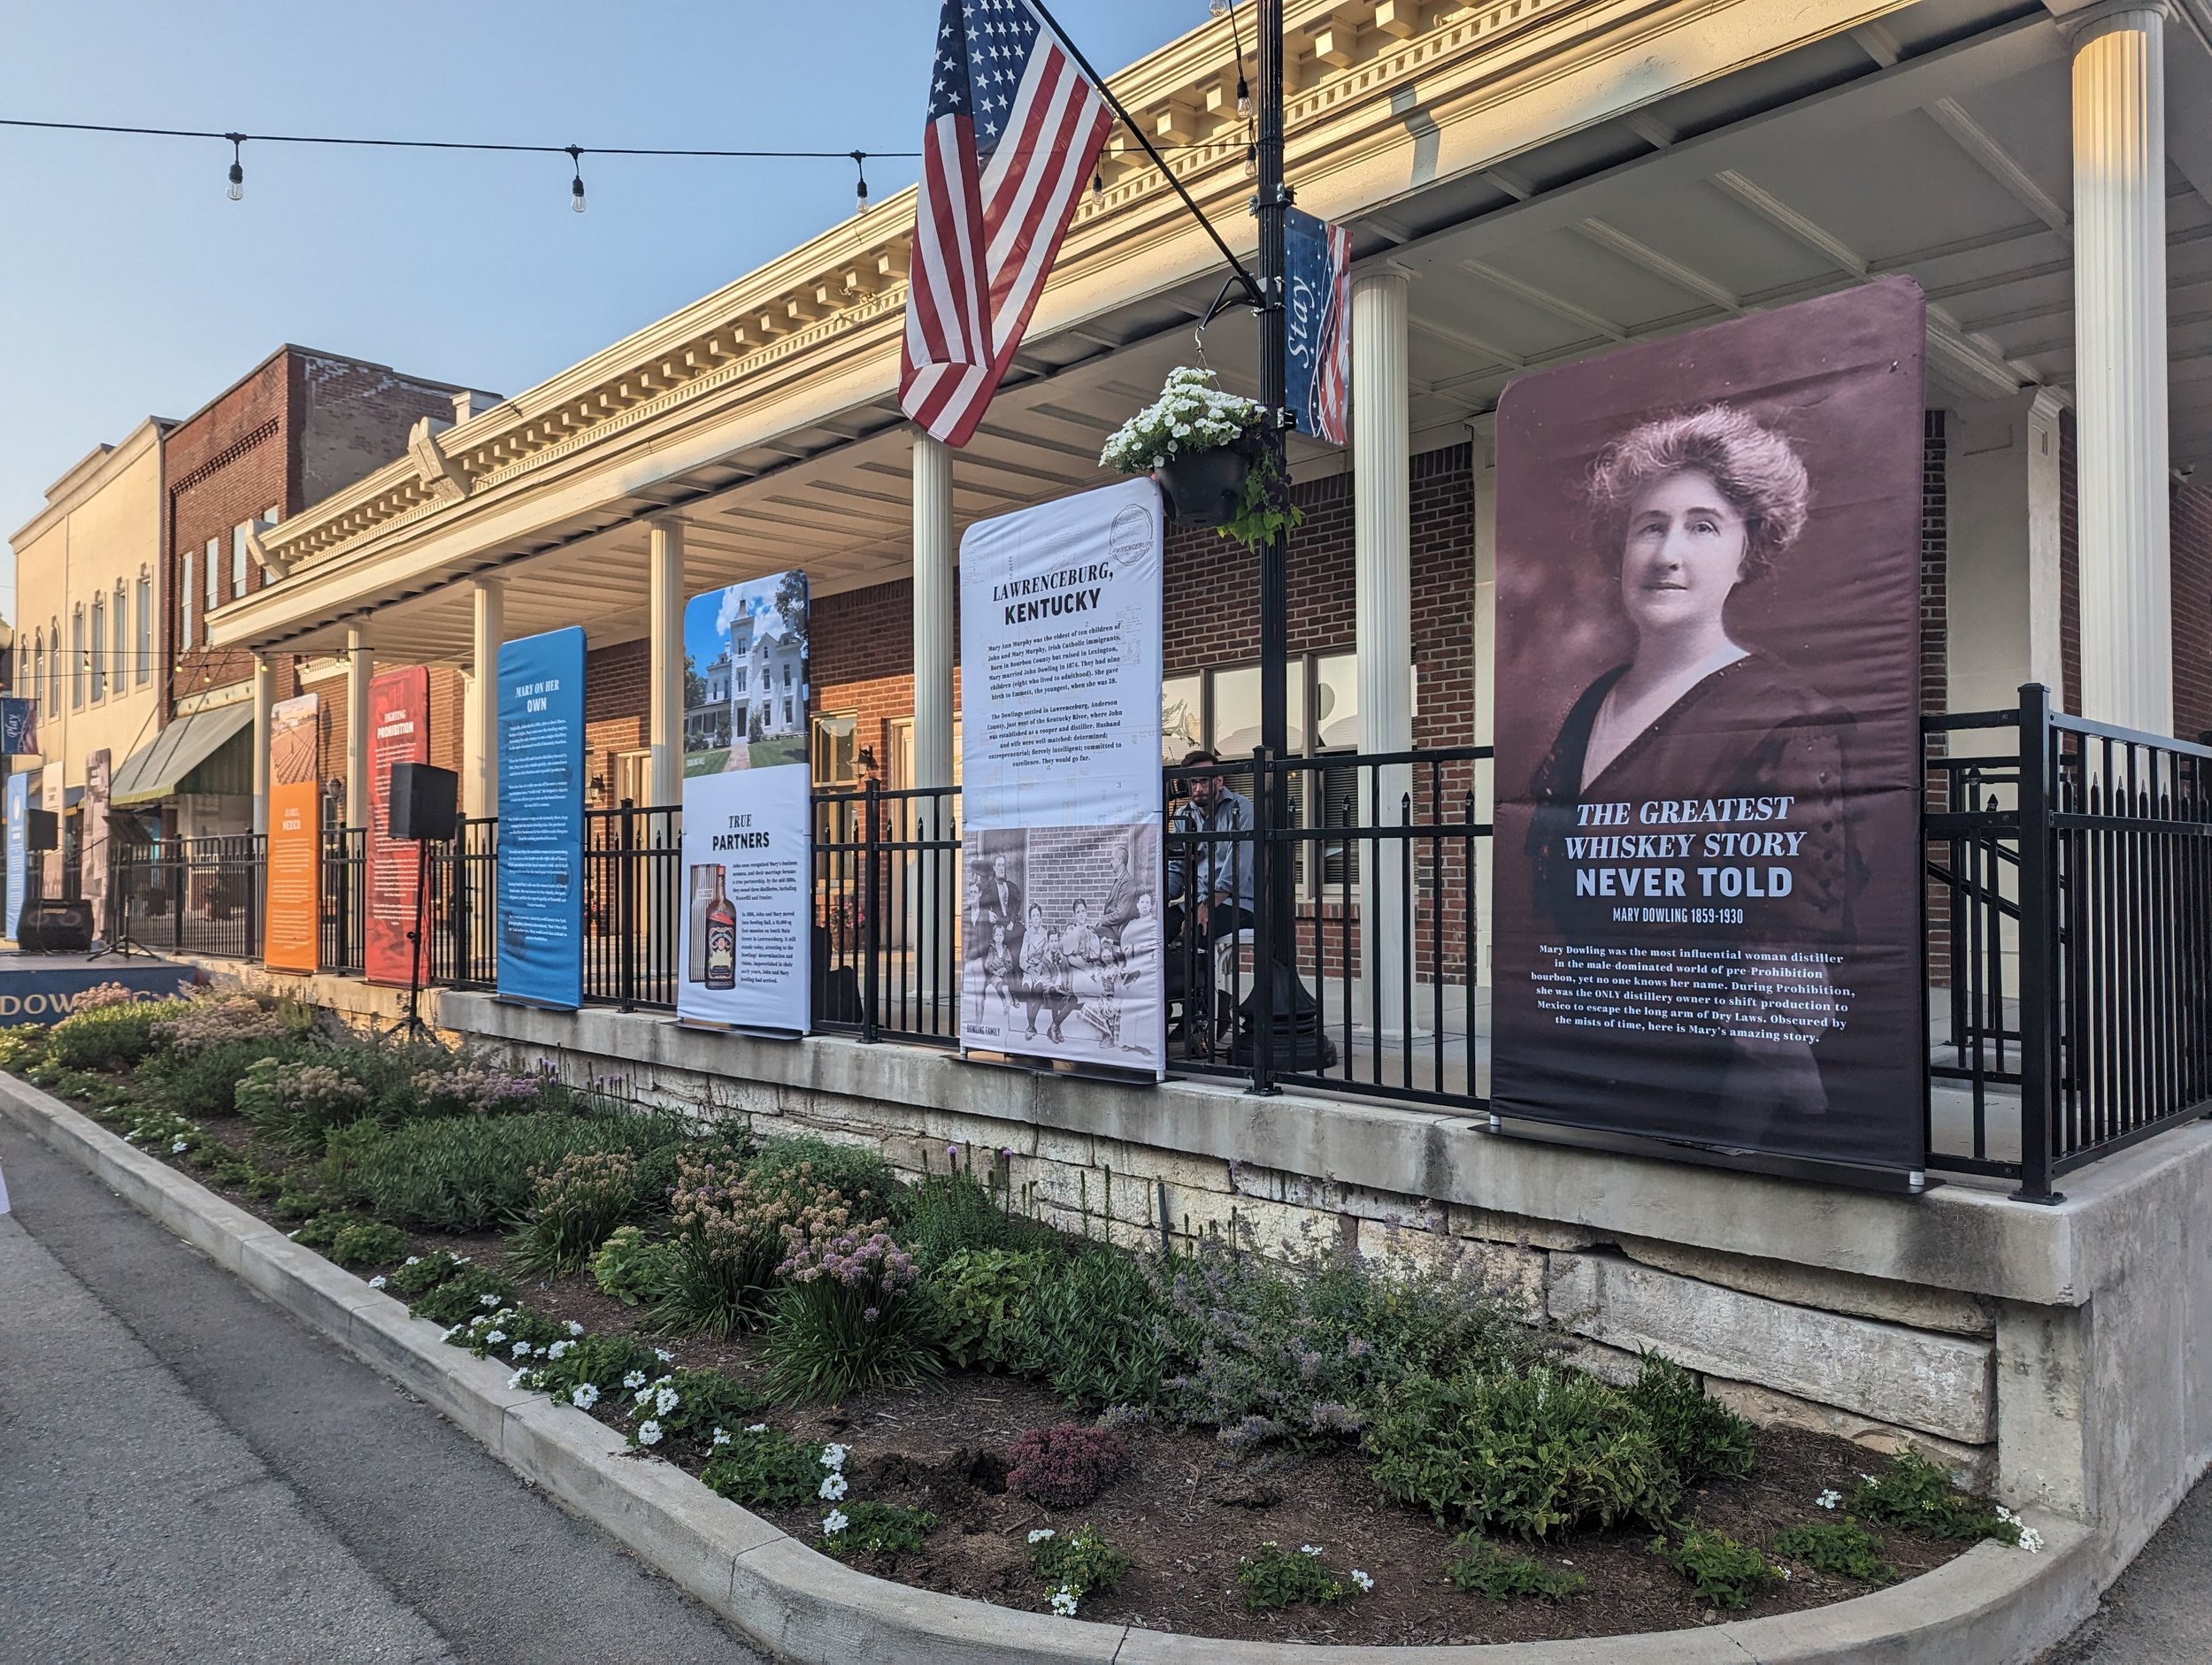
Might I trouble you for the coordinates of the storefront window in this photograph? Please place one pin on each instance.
(836, 762)
(1182, 717)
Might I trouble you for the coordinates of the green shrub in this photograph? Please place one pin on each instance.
(1914, 1495)
(367, 1243)
(849, 1317)
(439, 1084)
(108, 1037)
(948, 1215)
(296, 1102)
(320, 1231)
(577, 1204)
(584, 1369)
(688, 1404)
(159, 1131)
(1485, 1569)
(800, 1170)
(205, 1081)
(980, 1294)
(761, 1467)
(875, 1529)
(1701, 1436)
(1842, 1547)
(1273, 1578)
(299, 1205)
(211, 1021)
(1723, 1571)
(1094, 1330)
(632, 1269)
(419, 1274)
(23, 1046)
(1306, 1355)
(468, 1174)
(463, 1295)
(1533, 1454)
(1077, 1564)
(513, 1335)
(729, 1240)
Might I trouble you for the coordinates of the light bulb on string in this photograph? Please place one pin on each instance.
(236, 191)
(576, 185)
(1244, 94)
(860, 190)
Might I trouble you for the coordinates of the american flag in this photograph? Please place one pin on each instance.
(1014, 129)
(1317, 324)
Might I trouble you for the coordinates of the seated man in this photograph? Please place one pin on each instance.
(1212, 860)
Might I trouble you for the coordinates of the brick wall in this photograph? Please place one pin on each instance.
(2193, 610)
(615, 713)
(352, 417)
(861, 644)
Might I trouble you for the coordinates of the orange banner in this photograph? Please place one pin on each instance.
(292, 907)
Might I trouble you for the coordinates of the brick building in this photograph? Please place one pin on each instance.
(298, 428)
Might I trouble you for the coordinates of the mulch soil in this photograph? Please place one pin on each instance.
(1185, 1510)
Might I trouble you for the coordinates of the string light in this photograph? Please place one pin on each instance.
(860, 162)
(237, 191)
(576, 185)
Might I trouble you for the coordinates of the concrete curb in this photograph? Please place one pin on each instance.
(1992, 1604)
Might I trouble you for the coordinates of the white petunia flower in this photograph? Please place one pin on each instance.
(666, 1400)
(648, 1433)
(585, 1397)
(180, 1147)
(574, 1328)
(377, 1282)
(488, 1301)
(2030, 1539)
(1064, 1601)
(1309, 1549)
(663, 1356)
(1041, 1534)
(414, 1260)
(522, 1350)
(832, 1456)
(756, 1428)
(834, 1522)
(1361, 1579)
(635, 1378)
(720, 1439)
(1828, 1500)
(832, 1487)
(515, 1380)
(494, 1336)
(558, 1348)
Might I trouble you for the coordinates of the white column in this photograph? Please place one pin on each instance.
(933, 556)
(2120, 363)
(1382, 538)
(1482, 437)
(664, 685)
(480, 768)
(360, 666)
(263, 696)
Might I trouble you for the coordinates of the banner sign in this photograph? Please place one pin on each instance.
(18, 849)
(399, 733)
(1317, 324)
(19, 727)
(292, 910)
(745, 665)
(1060, 625)
(749, 898)
(45, 992)
(1708, 767)
(92, 872)
(540, 861)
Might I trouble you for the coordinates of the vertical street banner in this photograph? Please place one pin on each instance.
(292, 905)
(399, 733)
(92, 873)
(747, 926)
(748, 910)
(1060, 648)
(19, 850)
(1317, 325)
(19, 727)
(541, 858)
(1709, 771)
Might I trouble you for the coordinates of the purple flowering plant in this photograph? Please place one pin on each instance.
(849, 1314)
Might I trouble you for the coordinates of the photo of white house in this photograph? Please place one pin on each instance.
(745, 675)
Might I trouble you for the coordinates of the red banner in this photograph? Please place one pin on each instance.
(399, 733)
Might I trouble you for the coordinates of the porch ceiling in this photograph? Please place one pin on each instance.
(1934, 145)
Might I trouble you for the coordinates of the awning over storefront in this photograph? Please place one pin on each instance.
(192, 755)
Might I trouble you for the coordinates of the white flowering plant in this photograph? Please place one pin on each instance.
(1193, 416)
(1075, 1565)
(687, 1404)
(761, 1467)
(1273, 1577)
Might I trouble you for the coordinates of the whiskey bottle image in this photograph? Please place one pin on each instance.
(721, 937)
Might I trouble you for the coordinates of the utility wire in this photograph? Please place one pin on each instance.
(440, 144)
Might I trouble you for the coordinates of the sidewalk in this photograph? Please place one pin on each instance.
(187, 1475)
(2157, 1613)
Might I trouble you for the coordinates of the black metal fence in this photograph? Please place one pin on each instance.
(2070, 905)
(190, 895)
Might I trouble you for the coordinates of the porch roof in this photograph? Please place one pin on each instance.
(1560, 176)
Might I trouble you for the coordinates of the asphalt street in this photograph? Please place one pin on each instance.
(2157, 1614)
(187, 1474)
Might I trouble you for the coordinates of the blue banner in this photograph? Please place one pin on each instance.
(18, 849)
(43, 992)
(542, 819)
(19, 727)
(1317, 324)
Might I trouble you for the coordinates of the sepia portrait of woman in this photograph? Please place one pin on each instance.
(1687, 510)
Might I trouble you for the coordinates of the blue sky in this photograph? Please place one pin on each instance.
(130, 285)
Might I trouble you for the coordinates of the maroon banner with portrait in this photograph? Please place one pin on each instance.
(1707, 893)
(399, 733)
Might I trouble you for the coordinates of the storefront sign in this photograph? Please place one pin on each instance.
(542, 819)
(745, 667)
(399, 733)
(1059, 623)
(45, 992)
(18, 849)
(92, 870)
(292, 909)
(749, 898)
(1708, 847)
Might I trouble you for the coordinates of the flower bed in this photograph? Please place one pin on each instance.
(924, 1382)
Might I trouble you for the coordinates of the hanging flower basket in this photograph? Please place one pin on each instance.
(1205, 488)
(1209, 451)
